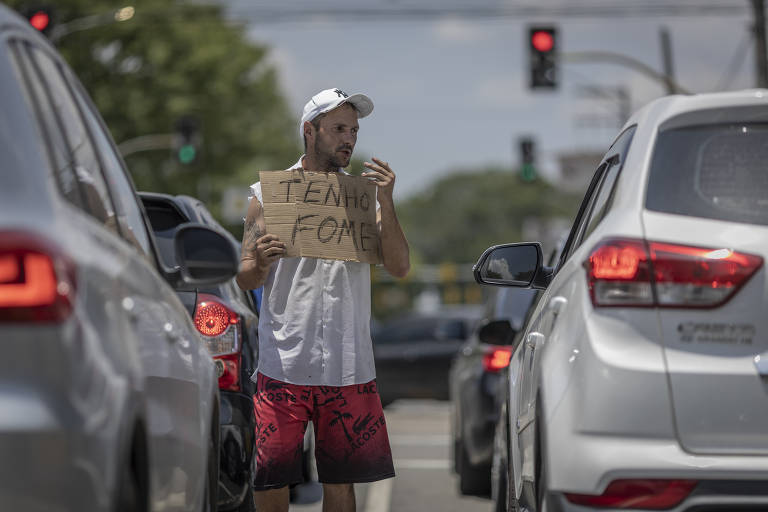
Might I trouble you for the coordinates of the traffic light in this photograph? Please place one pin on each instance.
(542, 46)
(187, 139)
(527, 159)
(40, 17)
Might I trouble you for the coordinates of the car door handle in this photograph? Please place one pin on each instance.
(533, 339)
(556, 304)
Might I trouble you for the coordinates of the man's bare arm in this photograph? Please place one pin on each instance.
(259, 249)
(395, 253)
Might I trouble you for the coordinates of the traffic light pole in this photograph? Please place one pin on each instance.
(146, 143)
(666, 59)
(630, 62)
(93, 21)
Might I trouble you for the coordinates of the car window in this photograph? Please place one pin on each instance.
(574, 238)
(164, 219)
(80, 152)
(513, 304)
(599, 196)
(712, 171)
(57, 149)
(451, 329)
(129, 215)
(601, 202)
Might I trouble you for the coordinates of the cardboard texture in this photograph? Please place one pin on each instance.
(322, 215)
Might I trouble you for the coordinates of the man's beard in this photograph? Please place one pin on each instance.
(332, 158)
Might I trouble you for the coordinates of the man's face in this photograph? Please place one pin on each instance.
(336, 137)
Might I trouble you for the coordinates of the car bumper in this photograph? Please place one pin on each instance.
(708, 496)
(236, 451)
(612, 417)
(49, 466)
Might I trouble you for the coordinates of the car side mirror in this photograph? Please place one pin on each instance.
(496, 332)
(205, 256)
(517, 265)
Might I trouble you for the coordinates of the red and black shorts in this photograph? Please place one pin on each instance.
(351, 442)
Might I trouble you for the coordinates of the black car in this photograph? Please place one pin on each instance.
(475, 378)
(227, 318)
(413, 352)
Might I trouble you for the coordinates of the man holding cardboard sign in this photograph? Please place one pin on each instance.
(311, 233)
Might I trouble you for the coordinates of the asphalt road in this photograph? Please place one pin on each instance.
(419, 432)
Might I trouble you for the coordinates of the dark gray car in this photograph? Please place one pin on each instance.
(108, 396)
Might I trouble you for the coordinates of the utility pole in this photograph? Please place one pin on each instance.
(761, 58)
(666, 60)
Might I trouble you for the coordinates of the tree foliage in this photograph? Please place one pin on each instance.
(461, 215)
(174, 59)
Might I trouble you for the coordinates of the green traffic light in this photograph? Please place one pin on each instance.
(187, 153)
(528, 172)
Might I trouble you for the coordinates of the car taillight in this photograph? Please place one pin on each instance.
(496, 359)
(219, 326)
(37, 282)
(628, 272)
(637, 494)
(228, 371)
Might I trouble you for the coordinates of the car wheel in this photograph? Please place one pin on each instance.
(473, 480)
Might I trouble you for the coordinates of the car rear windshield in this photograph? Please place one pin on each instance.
(716, 172)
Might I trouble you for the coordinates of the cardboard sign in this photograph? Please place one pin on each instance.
(322, 215)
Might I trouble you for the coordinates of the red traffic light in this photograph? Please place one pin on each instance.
(542, 40)
(40, 20)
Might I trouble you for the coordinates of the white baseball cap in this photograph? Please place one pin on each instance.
(329, 99)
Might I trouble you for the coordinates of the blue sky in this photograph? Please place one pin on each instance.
(451, 92)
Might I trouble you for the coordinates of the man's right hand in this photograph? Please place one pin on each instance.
(268, 248)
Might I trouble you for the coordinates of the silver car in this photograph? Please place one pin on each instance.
(108, 397)
(641, 381)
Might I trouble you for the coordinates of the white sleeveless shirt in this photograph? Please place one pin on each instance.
(314, 324)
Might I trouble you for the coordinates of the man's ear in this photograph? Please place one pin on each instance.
(308, 129)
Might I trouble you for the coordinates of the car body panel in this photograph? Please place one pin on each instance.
(710, 352)
(74, 393)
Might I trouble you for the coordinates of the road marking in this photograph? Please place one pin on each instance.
(421, 440)
(422, 464)
(378, 496)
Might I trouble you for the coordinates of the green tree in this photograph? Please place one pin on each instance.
(174, 59)
(465, 212)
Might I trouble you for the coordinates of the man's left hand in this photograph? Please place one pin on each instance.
(382, 175)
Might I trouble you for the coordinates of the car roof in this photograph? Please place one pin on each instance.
(663, 109)
(669, 112)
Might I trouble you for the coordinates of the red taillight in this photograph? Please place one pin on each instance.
(36, 281)
(626, 272)
(219, 326)
(637, 494)
(228, 371)
(496, 359)
(212, 318)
